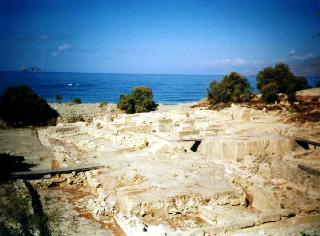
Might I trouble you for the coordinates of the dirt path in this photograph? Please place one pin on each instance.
(68, 201)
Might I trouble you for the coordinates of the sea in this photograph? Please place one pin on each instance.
(100, 87)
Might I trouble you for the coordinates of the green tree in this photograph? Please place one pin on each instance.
(282, 80)
(76, 101)
(140, 100)
(269, 92)
(232, 88)
(20, 106)
(298, 83)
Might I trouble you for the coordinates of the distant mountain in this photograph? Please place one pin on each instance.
(309, 67)
(30, 69)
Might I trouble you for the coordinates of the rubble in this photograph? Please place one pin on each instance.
(192, 171)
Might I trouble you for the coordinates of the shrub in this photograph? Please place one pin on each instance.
(285, 81)
(140, 100)
(215, 93)
(59, 99)
(318, 84)
(143, 99)
(269, 92)
(233, 88)
(126, 103)
(99, 125)
(75, 118)
(76, 101)
(298, 83)
(20, 106)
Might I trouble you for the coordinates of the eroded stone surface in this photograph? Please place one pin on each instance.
(245, 172)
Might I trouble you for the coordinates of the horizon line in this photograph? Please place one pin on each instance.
(133, 73)
(125, 73)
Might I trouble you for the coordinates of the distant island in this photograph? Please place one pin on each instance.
(30, 69)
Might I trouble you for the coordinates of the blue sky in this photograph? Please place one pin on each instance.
(180, 37)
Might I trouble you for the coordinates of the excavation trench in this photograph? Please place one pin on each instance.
(39, 213)
(63, 208)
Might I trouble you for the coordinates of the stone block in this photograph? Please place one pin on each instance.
(236, 147)
(188, 133)
(269, 217)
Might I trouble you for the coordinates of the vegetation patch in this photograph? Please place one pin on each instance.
(140, 100)
(233, 88)
(305, 117)
(74, 119)
(22, 214)
(77, 101)
(20, 106)
(279, 79)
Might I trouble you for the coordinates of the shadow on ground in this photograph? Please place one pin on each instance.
(10, 163)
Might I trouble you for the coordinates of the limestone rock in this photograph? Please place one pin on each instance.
(235, 147)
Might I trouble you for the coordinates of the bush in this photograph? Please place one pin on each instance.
(281, 76)
(59, 99)
(140, 100)
(298, 83)
(318, 84)
(233, 88)
(126, 103)
(76, 101)
(269, 92)
(75, 118)
(20, 106)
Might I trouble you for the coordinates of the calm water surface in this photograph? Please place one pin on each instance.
(167, 89)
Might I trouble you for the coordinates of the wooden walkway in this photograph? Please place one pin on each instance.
(189, 140)
(37, 174)
(315, 143)
(305, 143)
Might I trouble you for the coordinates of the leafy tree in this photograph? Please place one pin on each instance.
(269, 92)
(282, 79)
(140, 100)
(76, 101)
(298, 83)
(59, 99)
(20, 106)
(265, 77)
(233, 88)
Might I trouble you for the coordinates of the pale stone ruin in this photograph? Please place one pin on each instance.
(193, 171)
